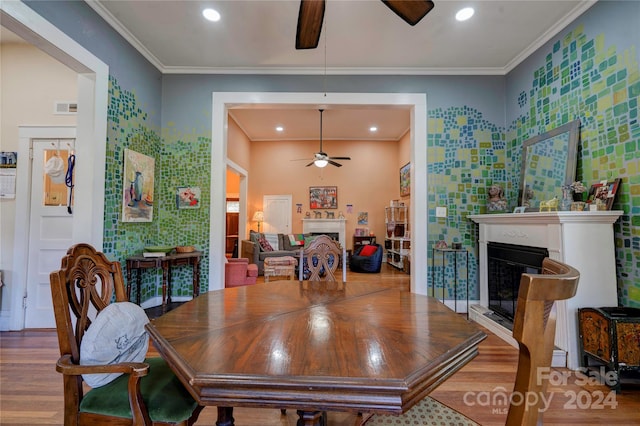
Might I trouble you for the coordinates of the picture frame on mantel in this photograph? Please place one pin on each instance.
(323, 197)
(604, 191)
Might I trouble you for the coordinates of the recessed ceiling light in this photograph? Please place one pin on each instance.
(373, 129)
(279, 129)
(211, 14)
(464, 14)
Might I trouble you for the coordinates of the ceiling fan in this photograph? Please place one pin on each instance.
(311, 15)
(321, 158)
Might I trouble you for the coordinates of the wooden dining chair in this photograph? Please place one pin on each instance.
(321, 259)
(534, 329)
(146, 393)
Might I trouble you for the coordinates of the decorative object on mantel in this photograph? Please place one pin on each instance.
(341, 216)
(578, 189)
(603, 194)
(549, 205)
(496, 203)
(330, 215)
(317, 215)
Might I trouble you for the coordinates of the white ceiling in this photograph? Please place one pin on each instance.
(358, 37)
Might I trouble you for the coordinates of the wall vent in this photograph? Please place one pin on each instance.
(65, 108)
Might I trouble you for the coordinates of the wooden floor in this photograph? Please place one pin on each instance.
(31, 389)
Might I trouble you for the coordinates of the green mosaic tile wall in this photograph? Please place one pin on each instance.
(586, 79)
(179, 162)
(185, 161)
(466, 155)
(126, 129)
(580, 78)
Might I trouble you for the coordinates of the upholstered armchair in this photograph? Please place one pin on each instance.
(239, 272)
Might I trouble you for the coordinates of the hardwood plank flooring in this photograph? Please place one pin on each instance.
(31, 389)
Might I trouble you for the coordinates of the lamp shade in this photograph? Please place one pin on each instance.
(321, 163)
(258, 216)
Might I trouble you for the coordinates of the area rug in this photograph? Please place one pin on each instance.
(427, 412)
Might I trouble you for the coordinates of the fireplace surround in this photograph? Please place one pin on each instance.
(583, 240)
(326, 226)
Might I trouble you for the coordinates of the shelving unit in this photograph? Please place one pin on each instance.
(397, 243)
(362, 241)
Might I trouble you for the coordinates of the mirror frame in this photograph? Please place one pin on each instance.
(573, 130)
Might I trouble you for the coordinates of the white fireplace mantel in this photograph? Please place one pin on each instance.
(584, 240)
(326, 225)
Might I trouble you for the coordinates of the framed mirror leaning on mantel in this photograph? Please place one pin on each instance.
(549, 161)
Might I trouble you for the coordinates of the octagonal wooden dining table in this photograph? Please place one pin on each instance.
(313, 347)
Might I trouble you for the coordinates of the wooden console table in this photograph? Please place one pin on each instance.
(165, 263)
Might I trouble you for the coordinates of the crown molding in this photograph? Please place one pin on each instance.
(125, 33)
(550, 33)
(336, 70)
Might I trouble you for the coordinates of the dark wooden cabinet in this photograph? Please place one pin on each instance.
(231, 232)
(362, 241)
(610, 337)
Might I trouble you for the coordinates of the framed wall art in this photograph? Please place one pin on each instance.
(188, 197)
(405, 180)
(323, 197)
(137, 197)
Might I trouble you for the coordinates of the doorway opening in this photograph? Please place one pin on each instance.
(416, 104)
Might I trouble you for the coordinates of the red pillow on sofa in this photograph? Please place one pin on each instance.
(368, 250)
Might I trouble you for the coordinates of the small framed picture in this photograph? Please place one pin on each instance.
(405, 180)
(519, 209)
(188, 197)
(595, 189)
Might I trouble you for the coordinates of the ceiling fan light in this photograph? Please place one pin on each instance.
(321, 163)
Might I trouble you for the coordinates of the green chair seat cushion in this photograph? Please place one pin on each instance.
(166, 399)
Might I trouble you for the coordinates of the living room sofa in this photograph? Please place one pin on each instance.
(280, 243)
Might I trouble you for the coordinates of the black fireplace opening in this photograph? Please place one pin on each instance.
(333, 235)
(506, 263)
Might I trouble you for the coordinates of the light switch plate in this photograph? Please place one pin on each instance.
(441, 212)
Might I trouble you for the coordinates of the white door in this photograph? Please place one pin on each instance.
(50, 226)
(277, 214)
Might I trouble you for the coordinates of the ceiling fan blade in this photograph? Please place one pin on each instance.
(339, 158)
(310, 164)
(310, 17)
(333, 163)
(411, 11)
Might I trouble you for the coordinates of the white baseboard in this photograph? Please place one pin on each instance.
(460, 307)
(157, 301)
(5, 317)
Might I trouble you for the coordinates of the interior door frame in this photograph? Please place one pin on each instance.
(91, 137)
(415, 103)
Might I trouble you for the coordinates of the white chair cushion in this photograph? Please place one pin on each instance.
(116, 335)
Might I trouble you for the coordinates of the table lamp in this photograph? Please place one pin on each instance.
(258, 217)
